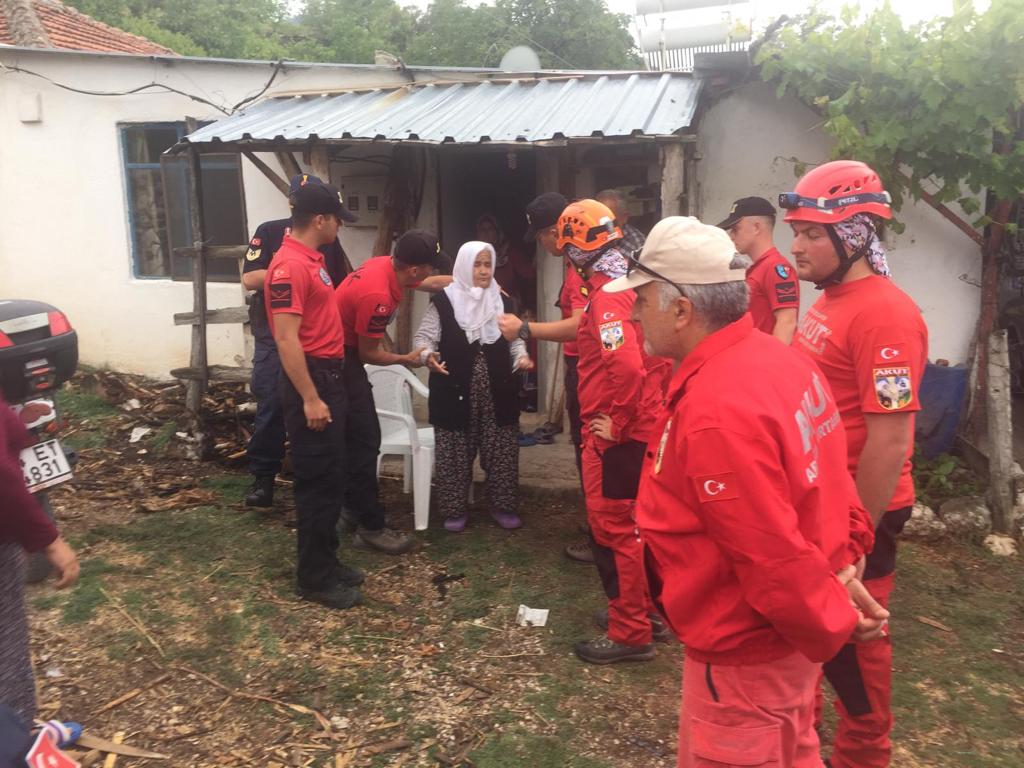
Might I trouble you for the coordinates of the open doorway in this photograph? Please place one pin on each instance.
(483, 194)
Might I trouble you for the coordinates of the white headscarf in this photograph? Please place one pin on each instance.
(476, 309)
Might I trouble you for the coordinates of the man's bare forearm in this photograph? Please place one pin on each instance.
(878, 472)
(253, 281)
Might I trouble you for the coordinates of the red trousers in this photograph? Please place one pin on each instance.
(618, 555)
(861, 675)
(755, 715)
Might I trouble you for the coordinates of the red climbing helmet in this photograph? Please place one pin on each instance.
(834, 192)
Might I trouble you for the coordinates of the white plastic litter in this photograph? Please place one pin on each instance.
(138, 433)
(531, 617)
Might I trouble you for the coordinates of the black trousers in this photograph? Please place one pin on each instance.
(362, 446)
(266, 446)
(572, 404)
(318, 462)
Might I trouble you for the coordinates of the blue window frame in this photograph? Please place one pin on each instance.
(157, 203)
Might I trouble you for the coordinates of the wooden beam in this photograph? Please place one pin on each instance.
(1000, 434)
(198, 356)
(237, 375)
(320, 161)
(289, 164)
(266, 170)
(213, 252)
(223, 316)
(673, 176)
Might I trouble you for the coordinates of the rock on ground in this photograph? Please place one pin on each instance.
(924, 524)
(1002, 546)
(967, 516)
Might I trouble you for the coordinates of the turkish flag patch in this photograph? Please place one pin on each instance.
(45, 755)
(720, 487)
(887, 354)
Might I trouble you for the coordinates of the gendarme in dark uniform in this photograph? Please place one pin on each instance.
(266, 447)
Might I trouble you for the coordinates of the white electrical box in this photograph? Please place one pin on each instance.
(30, 107)
(364, 196)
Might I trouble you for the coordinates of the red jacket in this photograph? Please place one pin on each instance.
(22, 520)
(616, 376)
(746, 506)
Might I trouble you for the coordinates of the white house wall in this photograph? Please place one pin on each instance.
(64, 230)
(744, 142)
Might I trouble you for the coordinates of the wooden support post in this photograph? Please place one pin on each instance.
(289, 164)
(321, 161)
(673, 172)
(196, 388)
(1000, 434)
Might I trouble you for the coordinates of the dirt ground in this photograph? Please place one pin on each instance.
(184, 635)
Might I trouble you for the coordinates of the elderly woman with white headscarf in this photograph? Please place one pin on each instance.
(474, 402)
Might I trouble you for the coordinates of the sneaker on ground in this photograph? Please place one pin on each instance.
(385, 540)
(456, 524)
(580, 552)
(507, 520)
(660, 633)
(349, 576)
(340, 596)
(604, 650)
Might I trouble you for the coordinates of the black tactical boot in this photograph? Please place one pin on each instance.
(261, 494)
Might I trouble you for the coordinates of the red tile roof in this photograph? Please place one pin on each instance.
(71, 29)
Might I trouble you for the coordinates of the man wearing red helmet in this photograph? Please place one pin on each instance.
(620, 389)
(870, 341)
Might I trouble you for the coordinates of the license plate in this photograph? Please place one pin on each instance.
(44, 465)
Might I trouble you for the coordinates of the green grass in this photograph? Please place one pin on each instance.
(958, 700)
(82, 601)
(80, 405)
(517, 749)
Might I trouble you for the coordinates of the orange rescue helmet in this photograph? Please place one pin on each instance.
(587, 224)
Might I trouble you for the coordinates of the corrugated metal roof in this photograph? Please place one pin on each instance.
(534, 110)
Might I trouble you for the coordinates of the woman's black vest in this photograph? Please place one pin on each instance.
(449, 395)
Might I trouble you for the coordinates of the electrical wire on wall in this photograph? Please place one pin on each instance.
(149, 87)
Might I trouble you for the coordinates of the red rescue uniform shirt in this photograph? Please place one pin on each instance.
(368, 299)
(746, 507)
(572, 297)
(616, 376)
(773, 285)
(869, 339)
(298, 284)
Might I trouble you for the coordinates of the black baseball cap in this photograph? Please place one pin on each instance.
(309, 194)
(748, 206)
(543, 212)
(417, 246)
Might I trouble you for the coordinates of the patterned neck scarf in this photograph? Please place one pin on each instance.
(858, 232)
(609, 261)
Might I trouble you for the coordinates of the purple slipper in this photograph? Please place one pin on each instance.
(507, 520)
(456, 524)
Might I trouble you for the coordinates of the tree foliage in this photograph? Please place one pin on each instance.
(939, 101)
(568, 34)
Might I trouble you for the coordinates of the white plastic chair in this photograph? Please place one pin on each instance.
(399, 435)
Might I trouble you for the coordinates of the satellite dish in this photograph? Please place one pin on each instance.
(522, 58)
